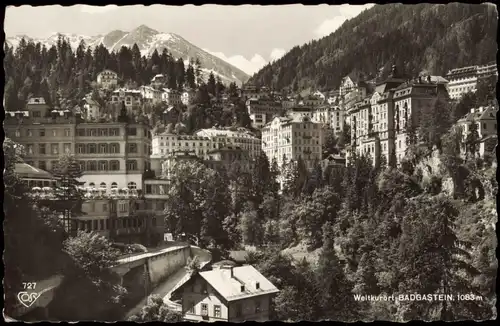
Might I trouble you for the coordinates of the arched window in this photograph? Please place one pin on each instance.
(91, 165)
(103, 185)
(91, 148)
(115, 148)
(132, 185)
(103, 148)
(114, 165)
(103, 165)
(92, 185)
(114, 185)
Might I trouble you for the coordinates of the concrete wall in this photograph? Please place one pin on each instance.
(164, 265)
(136, 282)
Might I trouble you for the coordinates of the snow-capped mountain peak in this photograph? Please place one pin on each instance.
(148, 40)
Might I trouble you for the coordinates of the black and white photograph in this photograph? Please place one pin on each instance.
(233, 163)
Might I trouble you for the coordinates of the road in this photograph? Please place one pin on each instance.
(173, 282)
(134, 257)
(162, 290)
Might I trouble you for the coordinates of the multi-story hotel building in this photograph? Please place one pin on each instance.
(251, 91)
(150, 94)
(349, 83)
(288, 103)
(312, 101)
(206, 144)
(409, 99)
(131, 98)
(331, 116)
(171, 97)
(239, 138)
(115, 154)
(262, 110)
(299, 112)
(464, 80)
(379, 121)
(291, 138)
(107, 79)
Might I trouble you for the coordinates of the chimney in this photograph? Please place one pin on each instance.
(242, 288)
(257, 285)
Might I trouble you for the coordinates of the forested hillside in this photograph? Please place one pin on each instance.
(433, 37)
(63, 76)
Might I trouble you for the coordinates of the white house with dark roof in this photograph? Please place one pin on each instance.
(228, 293)
(107, 79)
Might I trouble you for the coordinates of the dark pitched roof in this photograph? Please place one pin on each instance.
(24, 170)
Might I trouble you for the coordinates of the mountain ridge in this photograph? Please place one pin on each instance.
(148, 40)
(432, 37)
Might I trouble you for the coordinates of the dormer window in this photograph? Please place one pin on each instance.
(242, 288)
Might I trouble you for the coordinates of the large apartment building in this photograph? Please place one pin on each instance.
(286, 138)
(464, 80)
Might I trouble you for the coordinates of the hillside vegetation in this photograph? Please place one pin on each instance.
(432, 37)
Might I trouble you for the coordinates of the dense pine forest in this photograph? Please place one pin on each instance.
(432, 37)
(64, 77)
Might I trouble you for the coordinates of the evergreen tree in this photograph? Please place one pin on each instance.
(69, 197)
(180, 73)
(211, 84)
(429, 238)
(335, 291)
(345, 136)
(197, 72)
(471, 141)
(190, 76)
(219, 87)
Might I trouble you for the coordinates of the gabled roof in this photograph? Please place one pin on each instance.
(107, 70)
(24, 170)
(231, 287)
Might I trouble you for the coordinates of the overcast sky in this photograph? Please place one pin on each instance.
(246, 36)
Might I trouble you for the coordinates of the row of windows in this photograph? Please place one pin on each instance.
(42, 149)
(42, 132)
(105, 132)
(114, 185)
(113, 165)
(106, 224)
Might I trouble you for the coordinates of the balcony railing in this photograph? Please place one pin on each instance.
(87, 193)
